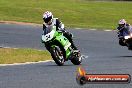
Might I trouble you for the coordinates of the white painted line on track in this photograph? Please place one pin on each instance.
(96, 29)
(93, 29)
(27, 63)
(8, 47)
(107, 30)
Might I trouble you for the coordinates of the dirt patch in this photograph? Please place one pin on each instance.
(20, 23)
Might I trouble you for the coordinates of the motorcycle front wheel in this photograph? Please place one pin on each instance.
(57, 55)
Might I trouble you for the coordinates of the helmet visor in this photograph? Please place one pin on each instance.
(121, 25)
(47, 19)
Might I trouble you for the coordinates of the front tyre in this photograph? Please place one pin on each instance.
(57, 55)
(121, 42)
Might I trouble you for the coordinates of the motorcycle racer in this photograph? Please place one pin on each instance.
(123, 29)
(50, 21)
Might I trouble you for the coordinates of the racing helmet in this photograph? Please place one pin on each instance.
(122, 23)
(47, 16)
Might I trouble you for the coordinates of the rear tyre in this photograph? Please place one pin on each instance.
(57, 55)
(77, 59)
(129, 46)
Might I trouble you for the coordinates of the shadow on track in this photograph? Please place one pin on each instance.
(124, 56)
(67, 65)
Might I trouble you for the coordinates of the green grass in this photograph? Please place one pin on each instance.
(9, 56)
(73, 13)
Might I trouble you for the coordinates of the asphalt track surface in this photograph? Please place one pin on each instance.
(105, 56)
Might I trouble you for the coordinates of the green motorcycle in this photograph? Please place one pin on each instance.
(60, 47)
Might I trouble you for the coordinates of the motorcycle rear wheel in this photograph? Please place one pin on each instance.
(76, 60)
